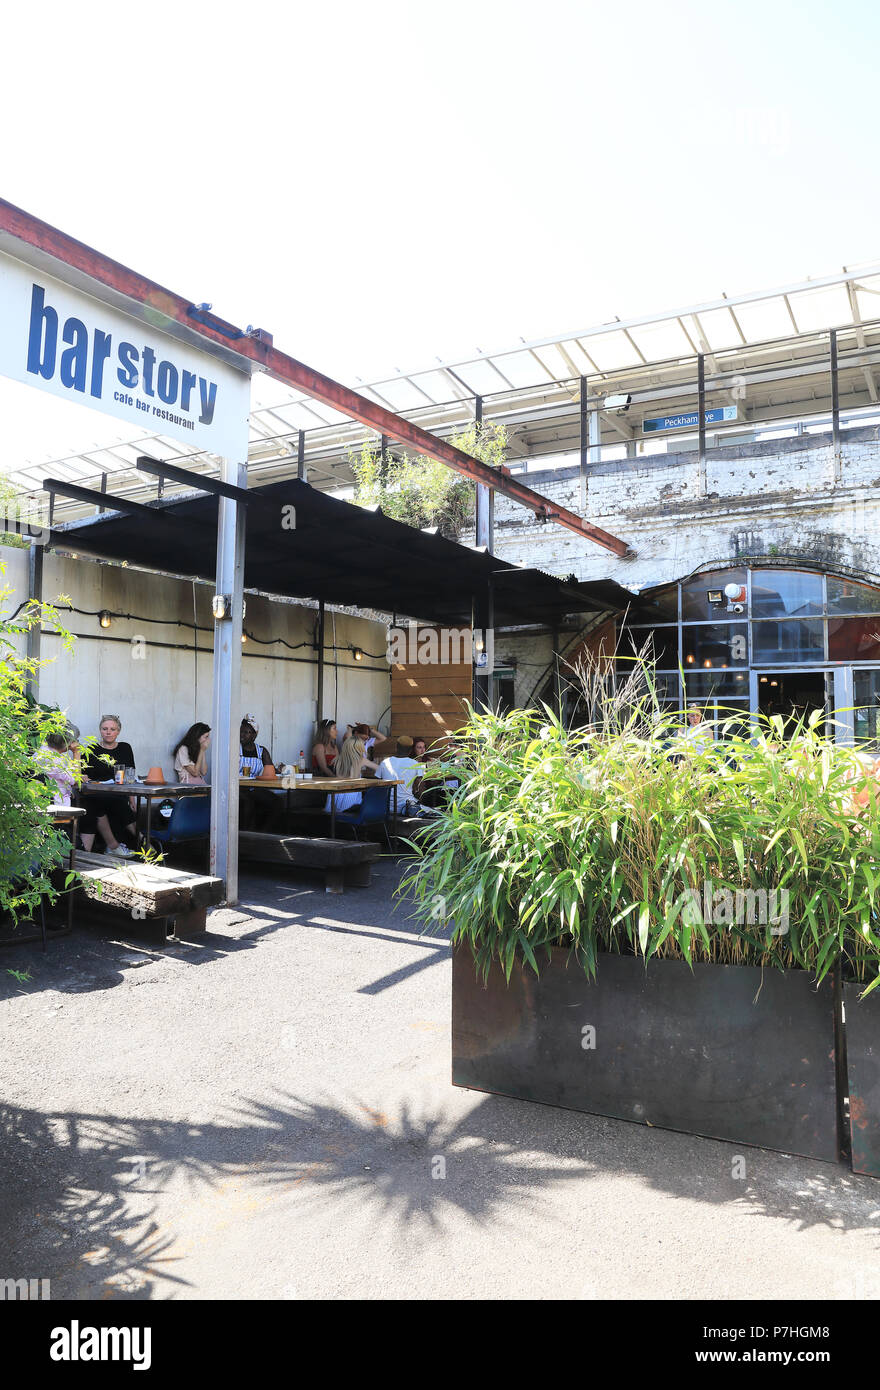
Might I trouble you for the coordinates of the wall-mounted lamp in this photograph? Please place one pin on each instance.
(104, 618)
(689, 660)
(707, 663)
(243, 638)
(357, 653)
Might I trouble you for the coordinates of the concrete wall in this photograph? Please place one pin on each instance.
(159, 690)
(788, 498)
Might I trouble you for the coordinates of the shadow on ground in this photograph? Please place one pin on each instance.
(82, 1193)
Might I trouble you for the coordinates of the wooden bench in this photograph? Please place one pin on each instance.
(170, 898)
(415, 828)
(344, 863)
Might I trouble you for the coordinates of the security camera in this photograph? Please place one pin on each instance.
(738, 608)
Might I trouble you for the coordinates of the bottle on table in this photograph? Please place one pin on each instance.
(302, 760)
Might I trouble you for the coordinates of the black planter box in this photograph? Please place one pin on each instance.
(680, 1049)
(863, 1074)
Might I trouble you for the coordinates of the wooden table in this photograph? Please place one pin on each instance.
(329, 786)
(144, 791)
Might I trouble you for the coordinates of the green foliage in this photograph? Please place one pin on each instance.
(30, 846)
(603, 839)
(423, 492)
(12, 513)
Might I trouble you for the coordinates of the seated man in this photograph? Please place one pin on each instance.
(403, 766)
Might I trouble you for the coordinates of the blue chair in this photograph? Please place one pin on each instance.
(190, 820)
(373, 810)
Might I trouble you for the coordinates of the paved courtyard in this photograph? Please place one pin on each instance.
(268, 1114)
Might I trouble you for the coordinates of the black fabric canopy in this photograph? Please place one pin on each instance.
(337, 552)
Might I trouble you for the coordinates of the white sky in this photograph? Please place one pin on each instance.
(382, 183)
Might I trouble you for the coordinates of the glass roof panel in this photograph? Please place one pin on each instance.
(520, 368)
(612, 351)
(658, 341)
(766, 318)
(434, 384)
(481, 376)
(822, 308)
(554, 361)
(579, 357)
(401, 394)
(719, 328)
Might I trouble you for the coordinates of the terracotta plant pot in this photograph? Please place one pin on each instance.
(155, 775)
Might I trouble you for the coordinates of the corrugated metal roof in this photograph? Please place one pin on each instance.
(340, 553)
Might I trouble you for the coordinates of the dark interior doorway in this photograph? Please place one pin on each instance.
(793, 694)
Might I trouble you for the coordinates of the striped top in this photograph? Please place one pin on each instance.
(251, 767)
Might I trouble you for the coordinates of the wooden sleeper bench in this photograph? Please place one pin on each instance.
(149, 892)
(344, 863)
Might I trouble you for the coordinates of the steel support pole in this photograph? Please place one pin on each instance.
(319, 697)
(35, 591)
(226, 715)
(483, 610)
(584, 441)
(701, 420)
(301, 470)
(835, 391)
(557, 681)
(485, 520)
(595, 437)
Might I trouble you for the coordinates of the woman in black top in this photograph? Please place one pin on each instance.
(108, 814)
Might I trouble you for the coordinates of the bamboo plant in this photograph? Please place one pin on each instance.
(623, 836)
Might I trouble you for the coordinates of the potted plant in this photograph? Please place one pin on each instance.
(647, 924)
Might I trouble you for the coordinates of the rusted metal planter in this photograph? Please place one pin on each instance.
(863, 1077)
(730, 1052)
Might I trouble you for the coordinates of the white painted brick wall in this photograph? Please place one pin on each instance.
(778, 498)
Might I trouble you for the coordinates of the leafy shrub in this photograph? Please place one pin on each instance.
(423, 492)
(30, 846)
(604, 838)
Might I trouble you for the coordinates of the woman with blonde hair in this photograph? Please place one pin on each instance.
(351, 760)
(107, 815)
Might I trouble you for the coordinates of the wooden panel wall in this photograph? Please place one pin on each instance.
(426, 699)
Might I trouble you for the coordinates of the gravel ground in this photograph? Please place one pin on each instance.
(267, 1113)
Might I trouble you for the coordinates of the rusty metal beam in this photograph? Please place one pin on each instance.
(255, 349)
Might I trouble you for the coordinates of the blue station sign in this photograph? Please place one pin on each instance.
(689, 419)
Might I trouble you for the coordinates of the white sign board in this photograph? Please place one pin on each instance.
(63, 341)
